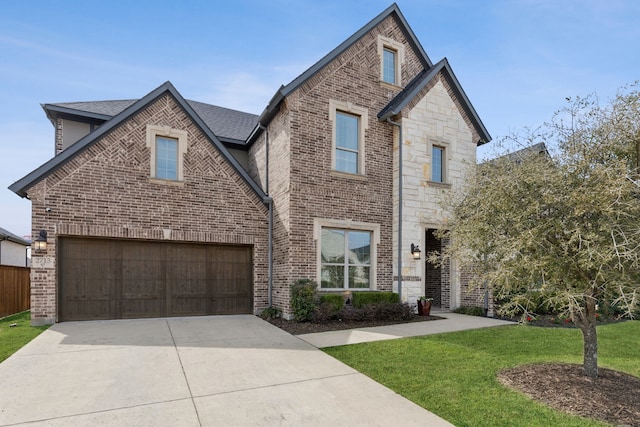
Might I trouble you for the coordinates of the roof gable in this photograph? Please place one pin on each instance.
(392, 10)
(404, 98)
(21, 186)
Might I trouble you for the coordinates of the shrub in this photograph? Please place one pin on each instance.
(384, 311)
(361, 299)
(324, 313)
(335, 300)
(394, 311)
(271, 313)
(303, 299)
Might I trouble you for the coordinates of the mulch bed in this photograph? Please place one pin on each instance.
(613, 397)
(296, 328)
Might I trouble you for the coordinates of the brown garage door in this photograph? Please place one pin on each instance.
(123, 279)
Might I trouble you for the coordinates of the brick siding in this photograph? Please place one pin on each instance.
(105, 191)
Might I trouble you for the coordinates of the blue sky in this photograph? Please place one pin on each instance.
(517, 60)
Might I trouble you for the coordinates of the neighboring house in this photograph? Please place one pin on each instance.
(13, 249)
(163, 206)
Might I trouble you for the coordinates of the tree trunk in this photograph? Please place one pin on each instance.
(588, 327)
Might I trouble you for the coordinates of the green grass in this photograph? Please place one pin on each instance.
(454, 374)
(13, 339)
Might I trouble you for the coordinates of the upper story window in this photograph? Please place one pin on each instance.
(166, 158)
(437, 164)
(168, 147)
(349, 125)
(389, 65)
(391, 55)
(347, 128)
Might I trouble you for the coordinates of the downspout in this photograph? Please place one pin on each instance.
(270, 201)
(399, 206)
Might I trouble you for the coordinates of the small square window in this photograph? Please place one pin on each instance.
(437, 164)
(166, 158)
(389, 65)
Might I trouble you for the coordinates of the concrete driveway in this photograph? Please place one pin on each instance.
(195, 371)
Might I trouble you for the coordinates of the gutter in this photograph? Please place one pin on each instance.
(399, 126)
(270, 203)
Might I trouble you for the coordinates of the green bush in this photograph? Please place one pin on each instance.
(360, 299)
(303, 299)
(383, 311)
(271, 313)
(334, 300)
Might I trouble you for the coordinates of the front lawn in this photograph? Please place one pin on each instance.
(14, 338)
(454, 374)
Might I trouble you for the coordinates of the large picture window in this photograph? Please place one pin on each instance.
(345, 259)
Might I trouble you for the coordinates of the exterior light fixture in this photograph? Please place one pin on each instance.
(415, 251)
(41, 242)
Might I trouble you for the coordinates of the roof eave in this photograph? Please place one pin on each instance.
(284, 91)
(21, 186)
(403, 98)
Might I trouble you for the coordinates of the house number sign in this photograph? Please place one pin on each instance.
(42, 262)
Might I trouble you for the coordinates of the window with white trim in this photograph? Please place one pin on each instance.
(166, 158)
(168, 147)
(347, 253)
(391, 53)
(349, 123)
(347, 129)
(345, 259)
(389, 65)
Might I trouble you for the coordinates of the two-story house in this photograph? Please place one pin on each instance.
(162, 206)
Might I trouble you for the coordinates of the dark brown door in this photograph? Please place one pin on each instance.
(116, 279)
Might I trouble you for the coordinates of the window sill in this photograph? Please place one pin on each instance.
(391, 86)
(166, 182)
(436, 184)
(354, 176)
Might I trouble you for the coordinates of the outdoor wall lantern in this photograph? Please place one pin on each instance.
(41, 242)
(415, 251)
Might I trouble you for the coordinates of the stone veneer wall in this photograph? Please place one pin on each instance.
(435, 119)
(105, 191)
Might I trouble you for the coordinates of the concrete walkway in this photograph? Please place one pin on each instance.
(196, 371)
(453, 322)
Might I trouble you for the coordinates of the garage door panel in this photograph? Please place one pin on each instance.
(88, 282)
(111, 279)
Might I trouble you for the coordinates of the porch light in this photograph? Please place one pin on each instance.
(41, 242)
(415, 251)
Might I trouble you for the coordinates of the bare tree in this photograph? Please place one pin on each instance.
(563, 227)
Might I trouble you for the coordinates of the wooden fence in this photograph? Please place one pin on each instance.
(15, 290)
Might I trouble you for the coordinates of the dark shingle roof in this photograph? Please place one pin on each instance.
(20, 187)
(224, 123)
